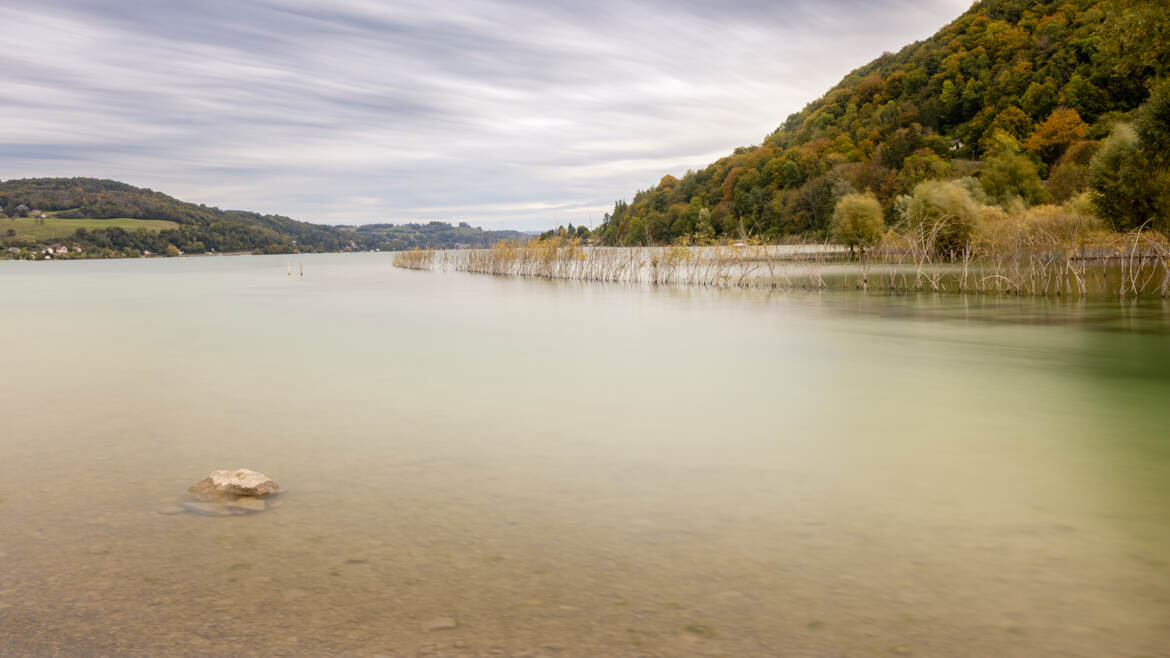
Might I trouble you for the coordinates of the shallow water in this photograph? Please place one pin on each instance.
(569, 469)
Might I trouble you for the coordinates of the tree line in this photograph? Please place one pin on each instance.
(1022, 102)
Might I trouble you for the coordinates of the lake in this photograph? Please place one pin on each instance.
(572, 469)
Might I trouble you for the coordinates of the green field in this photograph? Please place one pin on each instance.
(49, 228)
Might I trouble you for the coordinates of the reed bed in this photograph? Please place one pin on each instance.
(415, 259)
(1015, 258)
(1033, 254)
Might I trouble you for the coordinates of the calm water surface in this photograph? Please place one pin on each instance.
(574, 470)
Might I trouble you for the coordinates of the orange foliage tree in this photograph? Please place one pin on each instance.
(1060, 130)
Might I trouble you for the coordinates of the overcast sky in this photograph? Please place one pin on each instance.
(522, 114)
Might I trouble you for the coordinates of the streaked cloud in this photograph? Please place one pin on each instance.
(517, 114)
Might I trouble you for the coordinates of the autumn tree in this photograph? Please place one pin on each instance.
(1083, 96)
(975, 89)
(1012, 122)
(1070, 175)
(1153, 126)
(1009, 175)
(944, 208)
(857, 221)
(1124, 191)
(1060, 130)
(1134, 46)
(1130, 175)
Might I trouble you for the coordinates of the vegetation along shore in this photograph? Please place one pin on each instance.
(1024, 148)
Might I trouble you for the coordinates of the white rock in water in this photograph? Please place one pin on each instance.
(241, 482)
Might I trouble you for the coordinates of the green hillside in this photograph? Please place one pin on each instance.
(174, 225)
(108, 219)
(55, 228)
(1016, 96)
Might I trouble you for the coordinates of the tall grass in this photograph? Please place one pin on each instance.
(415, 259)
(1043, 252)
(709, 266)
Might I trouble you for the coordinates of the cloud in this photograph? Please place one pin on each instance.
(520, 114)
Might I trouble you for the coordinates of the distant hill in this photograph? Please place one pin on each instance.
(105, 218)
(433, 235)
(199, 228)
(1047, 78)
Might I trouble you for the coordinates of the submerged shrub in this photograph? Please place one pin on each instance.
(945, 212)
(1064, 224)
(857, 220)
(1045, 231)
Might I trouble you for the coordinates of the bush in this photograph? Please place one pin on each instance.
(1044, 230)
(1080, 153)
(944, 209)
(1153, 125)
(1009, 175)
(1067, 180)
(857, 220)
(1126, 188)
(1063, 223)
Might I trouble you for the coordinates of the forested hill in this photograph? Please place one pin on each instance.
(433, 235)
(1044, 81)
(199, 228)
(105, 218)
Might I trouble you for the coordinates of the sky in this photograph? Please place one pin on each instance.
(506, 114)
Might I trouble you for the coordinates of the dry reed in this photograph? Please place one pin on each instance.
(1039, 253)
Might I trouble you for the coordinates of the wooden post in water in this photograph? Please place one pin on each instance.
(302, 269)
